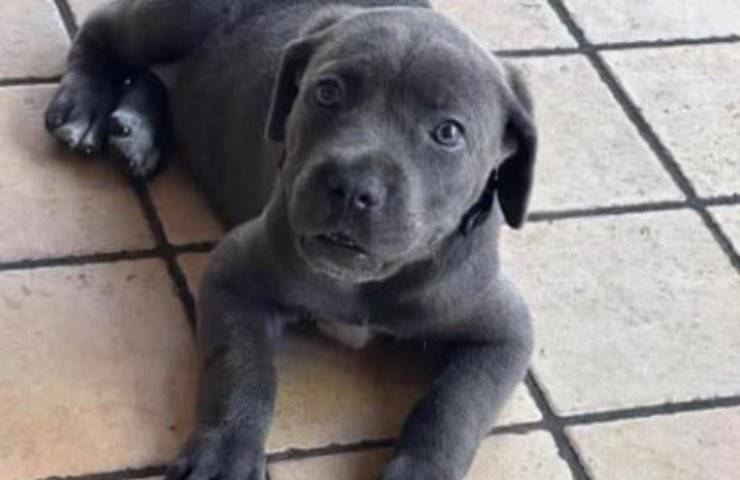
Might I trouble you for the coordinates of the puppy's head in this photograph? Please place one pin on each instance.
(396, 125)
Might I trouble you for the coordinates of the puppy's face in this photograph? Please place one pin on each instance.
(393, 121)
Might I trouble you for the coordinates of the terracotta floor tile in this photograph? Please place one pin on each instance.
(183, 209)
(330, 394)
(689, 446)
(33, 41)
(526, 457)
(53, 203)
(630, 20)
(590, 155)
(629, 310)
(194, 266)
(506, 24)
(697, 117)
(98, 369)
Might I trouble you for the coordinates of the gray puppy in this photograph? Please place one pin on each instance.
(395, 147)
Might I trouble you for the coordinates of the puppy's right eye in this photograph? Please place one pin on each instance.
(328, 93)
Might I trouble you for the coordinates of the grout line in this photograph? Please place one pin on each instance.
(301, 454)
(631, 110)
(555, 426)
(506, 53)
(207, 246)
(195, 247)
(721, 201)
(169, 253)
(164, 247)
(104, 257)
(127, 474)
(79, 260)
(666, 43)
(646, 131)
(537, 52)
(68, 17)
(71, 28)
(549, 420)
(720, 236)
(651, 411)
(26, 81)
(518, 428)
(660, 206)
(549, 216)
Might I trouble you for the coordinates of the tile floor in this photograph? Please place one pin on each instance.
(630, 264)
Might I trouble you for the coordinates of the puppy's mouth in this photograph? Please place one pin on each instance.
(340, 240)
(340, 255)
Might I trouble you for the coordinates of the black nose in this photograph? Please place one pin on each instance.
(355, 192)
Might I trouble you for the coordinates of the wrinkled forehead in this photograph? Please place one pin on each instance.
(418, 52)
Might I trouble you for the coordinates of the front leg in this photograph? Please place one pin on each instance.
(237, 338)
(440, 438)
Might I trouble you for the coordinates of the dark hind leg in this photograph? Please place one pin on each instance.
(119, 39)
(78, 114)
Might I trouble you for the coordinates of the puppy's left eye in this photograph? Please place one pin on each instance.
(328, 93)
(448, 134)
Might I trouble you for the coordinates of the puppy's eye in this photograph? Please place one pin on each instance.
(328, 93)
(448, 134)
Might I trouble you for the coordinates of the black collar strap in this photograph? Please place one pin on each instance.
(479, 212)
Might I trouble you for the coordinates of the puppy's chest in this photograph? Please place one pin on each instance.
(349, 335)
(354, 332)
(361, 328)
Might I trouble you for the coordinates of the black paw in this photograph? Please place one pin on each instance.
(140, 126)
(219, 456)
(78, 114)
(133, 138)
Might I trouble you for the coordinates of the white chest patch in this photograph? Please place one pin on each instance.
(352, 336)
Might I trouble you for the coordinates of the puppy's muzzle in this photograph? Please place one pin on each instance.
(353, 192)
(349, 212)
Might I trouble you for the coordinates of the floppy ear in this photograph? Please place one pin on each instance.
(294, 61)
(516, 172)
(511, 180)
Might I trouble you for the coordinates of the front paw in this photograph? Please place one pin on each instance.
(78, 114)
(404, 467)
(218, 455)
